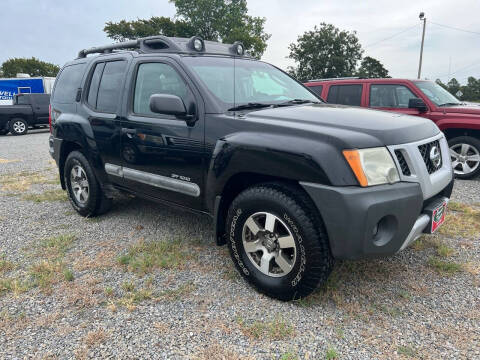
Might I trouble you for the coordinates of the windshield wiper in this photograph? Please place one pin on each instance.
(250, 105)
(296, 102)
(451, 104)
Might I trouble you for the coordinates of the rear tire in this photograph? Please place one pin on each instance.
(18, 126)
(84, 191)
(291, 259)
(465, 154)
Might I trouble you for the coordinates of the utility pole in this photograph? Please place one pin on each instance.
(424, 19)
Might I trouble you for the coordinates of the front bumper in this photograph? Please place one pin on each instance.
(375, 221)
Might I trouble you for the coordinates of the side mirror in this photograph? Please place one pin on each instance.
(418, 104)
(167, 104)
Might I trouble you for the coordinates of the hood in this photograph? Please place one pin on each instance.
(353, 127)
(470, 109)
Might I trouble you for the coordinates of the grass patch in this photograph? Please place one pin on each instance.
(178, 293)
(289, 356)
(68, 275)
(143, 257)
(407, 351)
(276, 329)
(6, 265)
(331, 354)
(444, 267)
(16, 286)
(444, 250)
(22, 181)
(57, 246)
(44, 274)
(462, 221)
(48, 195)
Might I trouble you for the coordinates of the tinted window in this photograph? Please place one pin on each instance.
(391, 96)
(22, 100)
(156, 78)
(93, 90)
(42, 99)
(111, 86)
(345, 94)
(317, 89)
(67, 83)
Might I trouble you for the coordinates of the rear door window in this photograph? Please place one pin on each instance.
(95, 81)
(111, 85)
(345, 94)
(67, 83)
(390, 96)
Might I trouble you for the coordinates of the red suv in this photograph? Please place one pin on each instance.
(459, 121)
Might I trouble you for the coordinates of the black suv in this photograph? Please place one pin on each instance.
(290, 182)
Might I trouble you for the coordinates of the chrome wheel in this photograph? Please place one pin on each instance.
(19, 127)
(465, 158)
(269, 244)
(79, 184)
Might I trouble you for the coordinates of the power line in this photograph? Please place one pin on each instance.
(455, 28)
(390, 37)
(476, 63)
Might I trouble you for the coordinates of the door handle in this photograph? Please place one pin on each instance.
(129, 131)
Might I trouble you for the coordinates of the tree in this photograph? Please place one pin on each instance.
(32, 66)
(442, 84)
(128, 30)
(325, 52)
(453, 86)
(217, 20)
(371, 68)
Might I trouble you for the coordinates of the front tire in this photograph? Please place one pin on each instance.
(278, 242)
(465, 154)
(84, 191)
(18, 126)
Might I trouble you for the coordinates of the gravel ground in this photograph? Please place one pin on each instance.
(79, 298)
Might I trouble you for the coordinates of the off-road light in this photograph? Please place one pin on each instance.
(238, 48)
(196, 43)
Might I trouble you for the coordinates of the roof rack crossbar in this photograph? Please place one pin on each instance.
(338, 78)
(133, 44)
(145, 44)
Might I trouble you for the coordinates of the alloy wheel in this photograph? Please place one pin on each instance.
(79, 184)
(19, 127)
(269, 244)
(465, 158)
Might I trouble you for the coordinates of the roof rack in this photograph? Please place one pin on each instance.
(161, 43)
(338, 78)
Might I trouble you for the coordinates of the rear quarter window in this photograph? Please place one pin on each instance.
(67, 83)
(317, 89)
(345, 94)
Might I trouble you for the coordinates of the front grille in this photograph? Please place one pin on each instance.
(425, 150)
(403, 163)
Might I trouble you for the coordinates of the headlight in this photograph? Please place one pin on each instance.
(373, 166)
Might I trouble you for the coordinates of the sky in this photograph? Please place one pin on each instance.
(55, 30)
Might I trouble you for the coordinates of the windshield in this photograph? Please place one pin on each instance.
(436, 93)
(237, 82)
